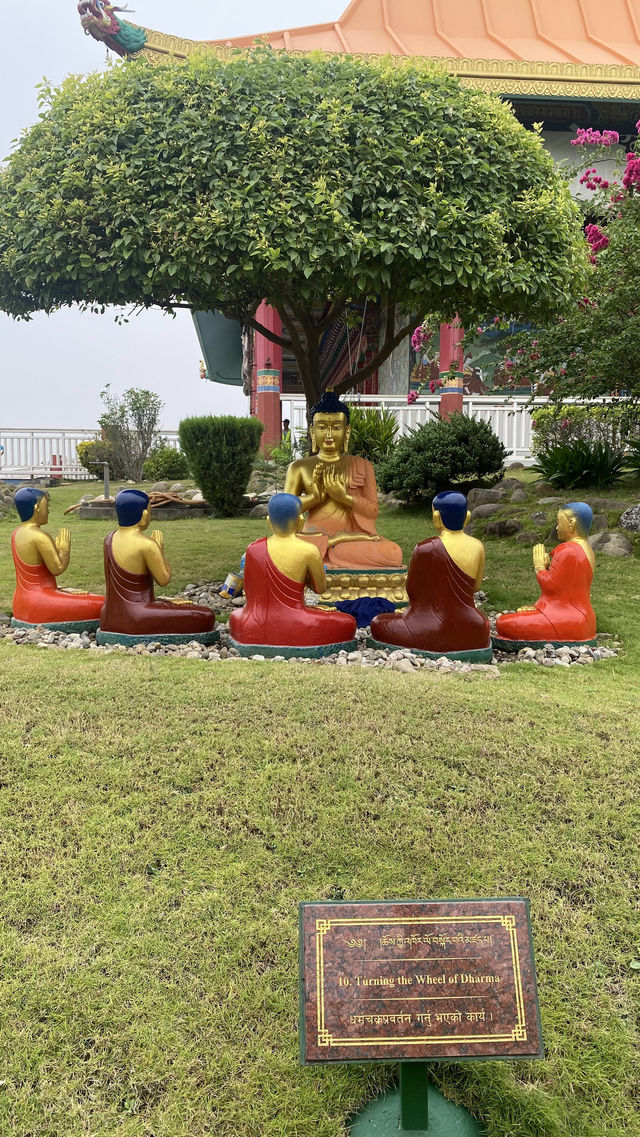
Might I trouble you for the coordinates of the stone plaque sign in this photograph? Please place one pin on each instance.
(417, 980)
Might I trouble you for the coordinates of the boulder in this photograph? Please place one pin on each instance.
(543, 488)
(515, 466)
(485, 510)
(539, 517)
(259, 511)
(177, 487)
(599, 523)
(552, 501)
(508, 527)
(510, 484)
(160, 487)
(631, 519)
(485, 497)
(526, 538)
(518, 496)
(611, 544)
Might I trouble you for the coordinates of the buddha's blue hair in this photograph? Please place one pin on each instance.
(25, 501)
(452, 508)
(329, 404)
(583, 514)
(130, 505)
(283, 509)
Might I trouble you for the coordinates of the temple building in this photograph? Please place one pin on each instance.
(566, 65)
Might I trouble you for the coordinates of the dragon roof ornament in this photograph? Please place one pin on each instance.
(99, 20)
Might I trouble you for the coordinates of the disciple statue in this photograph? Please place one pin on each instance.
(276, 571)
(445, 571)
(338, 493)
(38, 560)
(563, 614)
(132, 562)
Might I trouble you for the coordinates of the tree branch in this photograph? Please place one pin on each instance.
(266, 332)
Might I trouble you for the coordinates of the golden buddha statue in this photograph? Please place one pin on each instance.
(563, 613)
(277, 570)
(338, 492)
(132, 562)
(38, 560)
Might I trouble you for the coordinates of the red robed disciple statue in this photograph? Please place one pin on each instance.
(132, 562)
(277, 569)
(38, 560)
(445, 571)
(563, 613)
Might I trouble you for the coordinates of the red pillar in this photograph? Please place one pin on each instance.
(451, 352)
(268, 365)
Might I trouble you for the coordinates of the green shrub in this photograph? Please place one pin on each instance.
(220, 452)
(581, 463)
(165, 463)
(439, 454)
(92, 455)
(373, 432)
(560, 424)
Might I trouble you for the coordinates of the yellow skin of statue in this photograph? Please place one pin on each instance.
(136, 553)
(568, 529)
(324, 474)
(295, 558)
(34, 547)
(466, 551)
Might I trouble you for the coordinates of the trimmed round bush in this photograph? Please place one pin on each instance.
(220, 452)
(440, 454)
(165, 463)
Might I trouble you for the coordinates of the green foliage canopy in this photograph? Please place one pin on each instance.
(301, 180)
(220, 452)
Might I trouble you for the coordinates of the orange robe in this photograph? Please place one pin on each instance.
(275, 612)
(331, 518)
(563, 612)
(130, 607)
(38, 600)
(441, 615)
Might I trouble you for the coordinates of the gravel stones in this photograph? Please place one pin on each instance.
(631, 519)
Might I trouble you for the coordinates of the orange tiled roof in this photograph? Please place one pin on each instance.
(562, 31)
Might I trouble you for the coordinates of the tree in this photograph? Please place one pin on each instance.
(593, 350)
(130, 426)
(304, 181)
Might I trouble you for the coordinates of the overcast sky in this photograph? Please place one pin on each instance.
(53, 368)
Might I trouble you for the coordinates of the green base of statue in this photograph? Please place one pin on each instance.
(501, 644)
(130, 641)
(67, 627)
(270, 651)
(474, 655)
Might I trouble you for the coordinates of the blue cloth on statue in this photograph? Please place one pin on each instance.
(365, 608)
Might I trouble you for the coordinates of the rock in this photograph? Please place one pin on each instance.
(539, 517)
(518, 496)
(599, 523)
(485, 510)
(510, 484)
(606, 503)
(516, 466)
(485, 497)
(543, 487)
(177, 487)
(197, 496)
(630, 519)
(160, 487)
(551, 501)
(401, 665)
(526, 538)
(611, 544)
(508, 527)
(259, 511)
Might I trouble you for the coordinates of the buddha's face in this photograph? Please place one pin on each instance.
(566, 525)
(329, 433)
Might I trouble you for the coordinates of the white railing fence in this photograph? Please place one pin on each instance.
(27, 454)
(509, 417)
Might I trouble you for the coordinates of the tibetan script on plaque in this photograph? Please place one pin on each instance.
(417, 979)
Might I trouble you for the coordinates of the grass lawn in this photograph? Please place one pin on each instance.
(162, 818)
